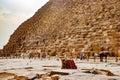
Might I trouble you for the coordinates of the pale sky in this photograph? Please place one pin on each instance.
(13, 13)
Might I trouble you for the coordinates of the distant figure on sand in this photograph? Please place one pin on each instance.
(39, 55)
(95, 55)
(102, 55)
(31, 56)
(82, 56)
(44, 55)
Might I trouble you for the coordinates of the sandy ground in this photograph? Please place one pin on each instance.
(31, 67)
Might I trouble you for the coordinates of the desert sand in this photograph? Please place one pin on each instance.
(10, 68)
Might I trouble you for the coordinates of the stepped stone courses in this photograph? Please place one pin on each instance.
(70, 25)
(1, 52)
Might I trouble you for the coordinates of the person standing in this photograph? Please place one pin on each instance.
(81, 56)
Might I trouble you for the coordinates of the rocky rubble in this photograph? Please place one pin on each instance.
(69, 26)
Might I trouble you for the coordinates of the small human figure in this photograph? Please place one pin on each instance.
(81, 56)
(101, 57)
(95, 56)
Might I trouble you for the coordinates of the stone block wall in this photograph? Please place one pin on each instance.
(89, 25)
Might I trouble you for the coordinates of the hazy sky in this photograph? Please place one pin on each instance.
(13, 13)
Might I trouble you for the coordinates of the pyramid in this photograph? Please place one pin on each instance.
(69, 26)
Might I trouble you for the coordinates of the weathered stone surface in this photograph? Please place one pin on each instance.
(69, 24)
(1, 52)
